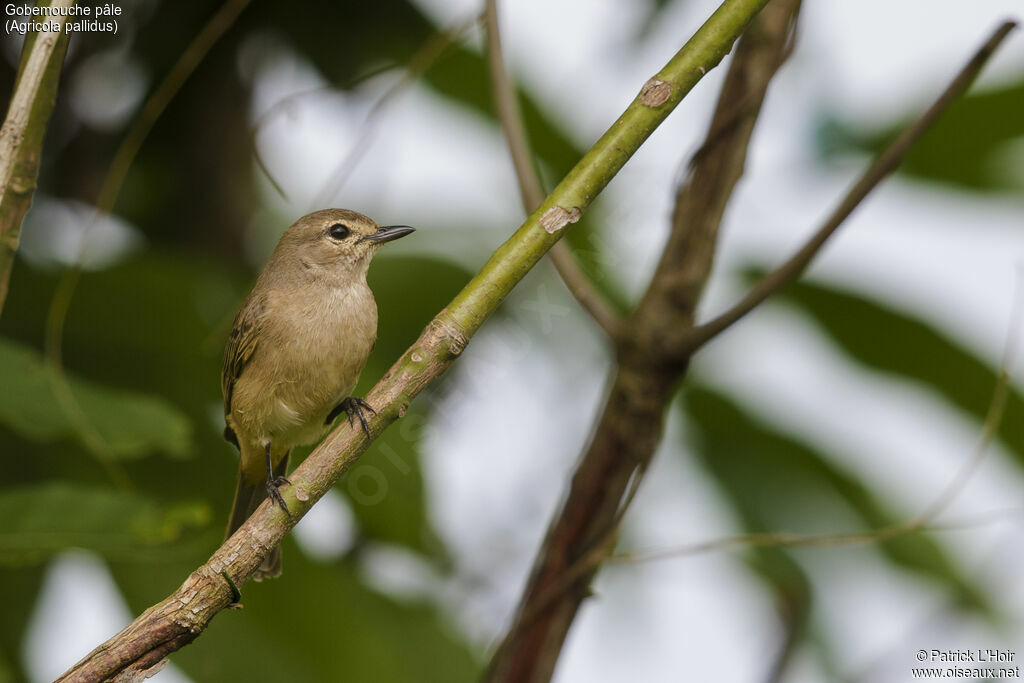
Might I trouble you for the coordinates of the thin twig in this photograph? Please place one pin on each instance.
(421, 61)
(506, 101)
(280, 105)
(994, 414)
(113, 181)
(157, 102)
(530, 189)
(141, 126)
(923, 625)
(921, 522)
(599, 551)
(784, 539)
(794, 608)
(883, 165)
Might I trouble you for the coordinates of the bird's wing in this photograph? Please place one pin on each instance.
(241, 346)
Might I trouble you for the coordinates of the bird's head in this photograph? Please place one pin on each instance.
(338, 239)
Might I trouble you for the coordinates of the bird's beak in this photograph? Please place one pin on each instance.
(388, 233)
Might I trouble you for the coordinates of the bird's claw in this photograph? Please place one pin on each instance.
(353, 407)
(275, 495)
(274, 482)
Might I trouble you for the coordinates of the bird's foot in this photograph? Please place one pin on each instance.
(274, 494)
(274, 482)
(353, 407)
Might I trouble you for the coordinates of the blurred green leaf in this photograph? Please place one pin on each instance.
(19, 589)
(386, 492)
(44, 519)
(902, 344)
(318, 622)
(966, 147)
(775, 482)
(129, 425)
(155, 323)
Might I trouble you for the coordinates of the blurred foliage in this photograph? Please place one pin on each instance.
(43, 519)
(776, 482)
(123, 424)
(143, 339)
(968, 147)
(21, 587)
(901, 344)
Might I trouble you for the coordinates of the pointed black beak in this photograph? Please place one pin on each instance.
(388, 233)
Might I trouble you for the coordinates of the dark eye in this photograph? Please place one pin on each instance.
(338, 231)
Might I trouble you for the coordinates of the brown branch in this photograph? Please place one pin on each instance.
(651, 359)
(507, 104)
(924, 521)
(650, 363)
(602, 551)
(882, 166)
(180, 618)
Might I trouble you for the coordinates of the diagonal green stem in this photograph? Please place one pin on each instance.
(606, 158)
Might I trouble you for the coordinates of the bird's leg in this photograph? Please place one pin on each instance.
(273, 482)
(354, 407)
(279, 471)
(335, 412)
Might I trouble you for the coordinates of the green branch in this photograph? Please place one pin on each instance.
(595, 170)
(180, 618)
(21, 137)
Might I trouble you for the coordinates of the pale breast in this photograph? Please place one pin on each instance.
(312, 349)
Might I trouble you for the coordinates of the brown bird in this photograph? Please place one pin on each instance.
(296, 349)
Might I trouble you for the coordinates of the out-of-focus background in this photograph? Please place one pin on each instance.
(848, 403)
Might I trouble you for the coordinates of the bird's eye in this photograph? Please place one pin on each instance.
(338, 231)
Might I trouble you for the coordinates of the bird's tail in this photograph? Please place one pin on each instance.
(247, 498)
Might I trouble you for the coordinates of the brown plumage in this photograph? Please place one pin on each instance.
(296, 349)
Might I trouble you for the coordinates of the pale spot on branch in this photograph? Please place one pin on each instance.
(557, 217)
(655, 92)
